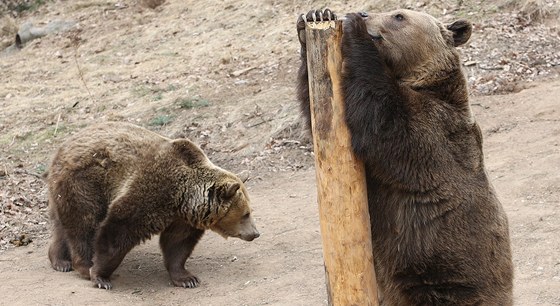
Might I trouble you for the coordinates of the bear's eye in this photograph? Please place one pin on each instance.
(246, 216)
(399, 17)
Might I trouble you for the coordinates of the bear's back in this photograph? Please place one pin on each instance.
(121, 143)
(107, 150)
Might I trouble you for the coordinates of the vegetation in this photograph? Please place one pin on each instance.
(161, 120)
(23, 6)
(192, 102)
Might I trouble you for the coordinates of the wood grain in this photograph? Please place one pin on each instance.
(341, 185)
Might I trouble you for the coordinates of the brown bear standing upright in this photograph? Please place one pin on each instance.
(114, 185)
(440, 235)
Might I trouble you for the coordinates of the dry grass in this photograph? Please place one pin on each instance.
(8, 30)
(151, 3)
(537, 10)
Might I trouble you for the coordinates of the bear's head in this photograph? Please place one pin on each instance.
(415, 44)
(219, 201)
(235, 219)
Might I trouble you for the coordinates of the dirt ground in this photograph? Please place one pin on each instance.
(222, 73)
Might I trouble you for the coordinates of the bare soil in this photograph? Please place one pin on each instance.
(222, 73)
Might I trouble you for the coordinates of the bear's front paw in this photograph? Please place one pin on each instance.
(185, 279)
(62, 265)
(354, 25)
(312, 16)
(100, 282)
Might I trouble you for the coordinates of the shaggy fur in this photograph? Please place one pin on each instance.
(440, 235)
(114, 185)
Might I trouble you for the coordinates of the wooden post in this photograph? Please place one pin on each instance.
(341, 186)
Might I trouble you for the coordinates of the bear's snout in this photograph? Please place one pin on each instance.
(251, 237)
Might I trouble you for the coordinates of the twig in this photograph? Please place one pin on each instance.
(76, 43)
(80, 72)
(259, 123)
(57, 122)
(32, 174)
(491, 68)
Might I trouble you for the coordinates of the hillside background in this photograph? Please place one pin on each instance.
(222, 73)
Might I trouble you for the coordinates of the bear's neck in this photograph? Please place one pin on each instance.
(448, 83)
(197, 204)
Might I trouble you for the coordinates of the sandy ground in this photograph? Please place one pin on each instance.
(227, 81)
(284, 266)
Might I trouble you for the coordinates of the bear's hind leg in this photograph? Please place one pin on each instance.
(177, 242)
(81, 249)
(59, 253)
(79, 207)
(79, 234)
(114, 239)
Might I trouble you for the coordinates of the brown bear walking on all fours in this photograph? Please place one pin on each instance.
(113, 185)
(440, 235)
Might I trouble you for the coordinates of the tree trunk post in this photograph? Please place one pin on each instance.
(341, 184)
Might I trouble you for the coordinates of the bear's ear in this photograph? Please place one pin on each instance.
(228, 190)
(462, 30)
(188, 151)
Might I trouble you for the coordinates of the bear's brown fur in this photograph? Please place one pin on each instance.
(114, 185)
(440, 235)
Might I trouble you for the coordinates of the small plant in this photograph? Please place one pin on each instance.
(28, 6)
(188, 103)
(141, 91)
(171, 87)
(156, 92)
(40, 169)
(161, 120)
(158, 96)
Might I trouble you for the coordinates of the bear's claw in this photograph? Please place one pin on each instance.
(312, 16)
(320, 15)
(190, 283)
(184, 279)
(100, 282)
(62, 266)
(103, 283)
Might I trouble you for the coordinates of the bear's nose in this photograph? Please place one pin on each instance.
(252, 236)
(255, 236)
